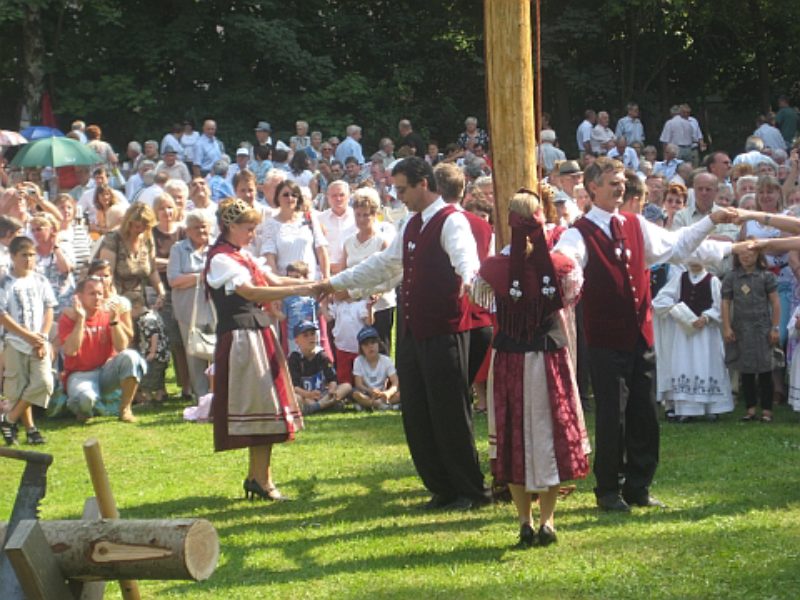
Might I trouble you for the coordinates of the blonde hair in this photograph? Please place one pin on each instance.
(525, 204)
(161, 199)
(46, 219)
(235, 211)
(140, 213)
(367, 198)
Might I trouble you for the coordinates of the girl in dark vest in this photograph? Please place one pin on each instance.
(692, 378)
(254, 405)
(537, 437)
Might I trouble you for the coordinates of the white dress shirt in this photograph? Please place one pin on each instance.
(601, 135)
(456, 239)
(337, 229)
(660, 245)
(678, 131)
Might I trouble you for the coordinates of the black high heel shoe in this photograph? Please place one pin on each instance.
(253, 490)
(248, 494)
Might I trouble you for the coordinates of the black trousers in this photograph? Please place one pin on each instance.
(583, 373)
(626, 425)
(765, 389)
(479, 341)
(384, 321)
(437, 416)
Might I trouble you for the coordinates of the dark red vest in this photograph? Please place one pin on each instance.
(482, 232)
(616, 289)
(696, 296)
(431, 302)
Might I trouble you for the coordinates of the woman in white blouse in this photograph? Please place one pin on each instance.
(369, 239)
(295, 234)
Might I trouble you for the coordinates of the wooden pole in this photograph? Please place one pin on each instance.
(509, 92)
(105, 501)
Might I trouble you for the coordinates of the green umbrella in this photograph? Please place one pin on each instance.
(55, 152)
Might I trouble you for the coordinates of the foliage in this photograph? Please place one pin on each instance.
(136, 66)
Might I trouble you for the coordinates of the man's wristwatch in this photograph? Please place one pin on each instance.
(112, 323)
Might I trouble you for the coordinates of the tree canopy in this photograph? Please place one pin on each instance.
(136, 66)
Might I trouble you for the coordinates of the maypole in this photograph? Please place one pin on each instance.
(509, 95)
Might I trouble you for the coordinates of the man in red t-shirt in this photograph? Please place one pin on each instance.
(97, 359)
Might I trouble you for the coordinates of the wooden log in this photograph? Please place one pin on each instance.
(88, 590)
(509, 95)
(111, 549)
(105, 501)
(36, 568)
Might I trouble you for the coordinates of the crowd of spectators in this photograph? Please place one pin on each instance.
(117, 251)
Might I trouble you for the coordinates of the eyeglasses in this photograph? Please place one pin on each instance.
(290, 194)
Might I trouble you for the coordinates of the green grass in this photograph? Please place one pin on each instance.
(354, 529)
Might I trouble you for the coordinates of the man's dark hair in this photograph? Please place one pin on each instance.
(712, 158)
(415, 170)
(99, 171)
(20, 243)
(279, 156)
(262, 152)
(634, 187)
(9, 225)
(350, 160)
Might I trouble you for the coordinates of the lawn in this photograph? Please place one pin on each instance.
(354, 528)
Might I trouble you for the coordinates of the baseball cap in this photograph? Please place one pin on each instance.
(368, 333)
(263, 126)
(304, 326)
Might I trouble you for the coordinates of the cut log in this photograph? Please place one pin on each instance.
(110, 549)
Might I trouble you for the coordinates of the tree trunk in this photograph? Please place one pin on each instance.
(110, 549)
(32, 63)
(509, 91)
(762, 65)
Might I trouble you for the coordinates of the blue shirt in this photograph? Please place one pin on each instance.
(349, 147)
(259, 169)
(220, 188)
(631, 129)
(206, 152)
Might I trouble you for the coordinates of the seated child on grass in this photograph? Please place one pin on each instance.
(376, 384)
(153, 345)
(313, 375)
(350, 317)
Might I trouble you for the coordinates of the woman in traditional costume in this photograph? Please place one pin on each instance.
(254, 405)
(537, 436)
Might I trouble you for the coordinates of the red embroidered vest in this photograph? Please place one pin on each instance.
(431, 302)
(616, 289)
(482, 232)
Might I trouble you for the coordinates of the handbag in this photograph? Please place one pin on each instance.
(199, 343)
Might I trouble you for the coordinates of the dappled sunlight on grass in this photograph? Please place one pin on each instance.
(355, 529)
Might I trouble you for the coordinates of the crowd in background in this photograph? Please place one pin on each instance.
(141, 224)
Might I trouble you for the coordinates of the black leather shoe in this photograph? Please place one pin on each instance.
(612, 502)
(527, 537)
(546, 535)
(436, 502)
(646, 501)
(461, 503)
